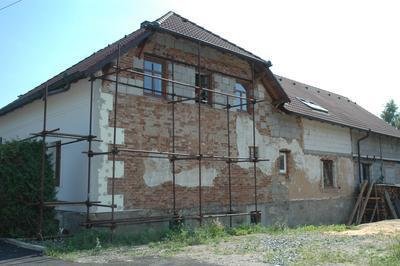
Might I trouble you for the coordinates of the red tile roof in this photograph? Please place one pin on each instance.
(170, 22)
(341, 110)
(175, 23)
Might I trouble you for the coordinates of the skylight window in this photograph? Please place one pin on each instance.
(313, 105)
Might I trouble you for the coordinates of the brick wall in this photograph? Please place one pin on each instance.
(147, 124)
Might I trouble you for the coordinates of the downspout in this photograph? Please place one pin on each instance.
(359, 155)
(380, 152)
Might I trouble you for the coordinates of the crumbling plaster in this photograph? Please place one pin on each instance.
(305, 140)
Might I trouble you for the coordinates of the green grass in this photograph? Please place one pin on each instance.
(95, 240)
(323, 257)
(390, 258)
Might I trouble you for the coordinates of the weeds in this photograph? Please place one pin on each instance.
(96, 240)
(390, 258)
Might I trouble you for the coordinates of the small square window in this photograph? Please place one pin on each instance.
(205, 96)
(327, 173)
(282, 162)
(253, 152)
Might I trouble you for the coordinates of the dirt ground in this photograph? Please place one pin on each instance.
(367, 244)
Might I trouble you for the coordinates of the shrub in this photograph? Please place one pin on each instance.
(20, 174)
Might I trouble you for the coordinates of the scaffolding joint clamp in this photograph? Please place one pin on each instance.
(114, 150)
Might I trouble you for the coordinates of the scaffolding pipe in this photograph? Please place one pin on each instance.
(254, 140)
(183, 83)
(186, 98)
(89, 155)
(199, 126)
(43, 167)
(173, 142)
(229, 156)
(115, 136)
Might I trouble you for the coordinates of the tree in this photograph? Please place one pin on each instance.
(390, 114)
(397, 121)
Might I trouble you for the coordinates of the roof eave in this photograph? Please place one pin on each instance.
(53, 88)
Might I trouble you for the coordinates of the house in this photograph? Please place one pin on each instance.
(226, 138)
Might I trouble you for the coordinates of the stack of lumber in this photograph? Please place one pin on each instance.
(376, 202)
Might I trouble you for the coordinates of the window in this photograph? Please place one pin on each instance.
(153, 85)
(327, 173)
(282, 162)
(253, 152)
(54, 150)
(240, 103)
(313, 105)
(205, 96)
(366, 171)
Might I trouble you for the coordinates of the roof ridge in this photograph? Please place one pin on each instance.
(187, 20)
(165, 16)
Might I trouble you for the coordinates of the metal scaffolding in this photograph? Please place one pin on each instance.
(172, 155)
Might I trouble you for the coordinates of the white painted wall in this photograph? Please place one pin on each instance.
(326, 138)
(68, 111)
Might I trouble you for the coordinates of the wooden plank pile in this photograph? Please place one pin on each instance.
(376, 202)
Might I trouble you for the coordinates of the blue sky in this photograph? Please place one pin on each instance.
(348, 47)
(40, 38)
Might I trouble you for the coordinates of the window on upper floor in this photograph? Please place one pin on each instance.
(240, 91)
(203, 80)
(152, 83)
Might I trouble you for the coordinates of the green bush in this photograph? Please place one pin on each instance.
(20, 173)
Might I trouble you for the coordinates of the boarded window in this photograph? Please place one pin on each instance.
(327, 172)
(203, 80)
(152, 83)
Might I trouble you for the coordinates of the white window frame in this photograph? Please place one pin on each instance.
(241, 91)
(284, 170)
